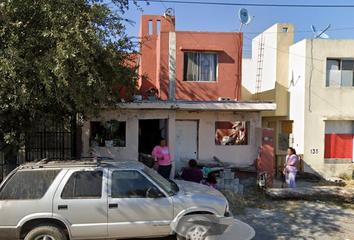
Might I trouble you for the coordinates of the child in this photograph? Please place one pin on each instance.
(211, 180)
(155, 167)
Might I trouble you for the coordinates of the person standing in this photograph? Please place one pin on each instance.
(290, 167)
(192, 174)
(162, 153)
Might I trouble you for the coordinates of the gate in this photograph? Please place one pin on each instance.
(56, 141)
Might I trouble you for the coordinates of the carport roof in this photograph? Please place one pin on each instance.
(202, 105)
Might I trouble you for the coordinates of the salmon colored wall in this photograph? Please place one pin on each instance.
(339, 146)
(265, 162)
(148, 66)
(154, 61)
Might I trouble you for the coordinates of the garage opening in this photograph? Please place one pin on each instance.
(150, 133)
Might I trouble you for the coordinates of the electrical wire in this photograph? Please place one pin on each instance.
(252, 4)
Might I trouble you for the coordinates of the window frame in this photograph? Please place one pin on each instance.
(11, 176)
(104, 135)
(142, 173)
(340, 68)
(83, 198)
(201, 52)
(246, 126)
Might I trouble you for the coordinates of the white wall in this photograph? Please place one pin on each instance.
(296, 83)
(206, 144)
(321, 102)
(276, 46)
(131, 118)
(235, 153)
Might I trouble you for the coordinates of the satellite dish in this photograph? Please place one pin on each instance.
(168, 14)
(319, 33)
(244, 17)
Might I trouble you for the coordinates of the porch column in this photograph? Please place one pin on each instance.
(171, 131)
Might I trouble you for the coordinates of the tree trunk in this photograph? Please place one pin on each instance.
(312, 193)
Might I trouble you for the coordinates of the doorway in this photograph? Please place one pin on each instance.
(186, 142)
(150, 133)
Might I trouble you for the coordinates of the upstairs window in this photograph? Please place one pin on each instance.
(340, 73)
(200, 67)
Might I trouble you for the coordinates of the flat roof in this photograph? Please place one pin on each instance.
(202, 105)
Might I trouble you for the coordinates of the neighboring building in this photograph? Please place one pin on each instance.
(203, 66)
(274, 82)
(312, 84)
(321, 103)
(191, 71)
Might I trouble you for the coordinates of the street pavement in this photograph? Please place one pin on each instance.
(293, 220)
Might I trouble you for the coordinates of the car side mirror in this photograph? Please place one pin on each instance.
(153, 193)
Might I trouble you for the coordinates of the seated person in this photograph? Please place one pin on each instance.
(211, 180)
(192, 174)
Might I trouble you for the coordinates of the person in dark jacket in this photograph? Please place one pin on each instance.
(192, 174)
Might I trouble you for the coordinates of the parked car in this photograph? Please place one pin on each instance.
(100, 198)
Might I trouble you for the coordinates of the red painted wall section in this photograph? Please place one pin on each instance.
(228, 46)
(265, 162)
(339, 146)
(154, 61)
(150, 51)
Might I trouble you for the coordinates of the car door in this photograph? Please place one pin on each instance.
(130, 212)
(81, 201)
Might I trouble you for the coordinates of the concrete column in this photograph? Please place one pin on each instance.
(172, 67)
(171, 133)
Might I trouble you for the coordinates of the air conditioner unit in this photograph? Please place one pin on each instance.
(224, 99)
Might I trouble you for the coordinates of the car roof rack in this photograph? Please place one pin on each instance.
(86, 161)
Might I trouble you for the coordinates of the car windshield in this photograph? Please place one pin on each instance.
(169, 186)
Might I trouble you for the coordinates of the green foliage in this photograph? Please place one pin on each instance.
(60, 58)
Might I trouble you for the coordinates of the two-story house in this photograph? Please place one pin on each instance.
(312, 83)
(189, 94)
(321, 103)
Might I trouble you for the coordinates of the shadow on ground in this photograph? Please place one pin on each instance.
(301, 220)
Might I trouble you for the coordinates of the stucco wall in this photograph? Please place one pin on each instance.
(275, 67)
(321, 102)
(206, 139)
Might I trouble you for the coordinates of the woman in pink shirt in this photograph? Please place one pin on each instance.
(162, 153)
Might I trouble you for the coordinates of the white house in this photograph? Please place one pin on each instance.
(192, 130)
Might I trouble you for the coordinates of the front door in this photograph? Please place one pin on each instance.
(81, 199)
(186, 142)
(130, 212)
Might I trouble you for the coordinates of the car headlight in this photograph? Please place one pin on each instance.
(227, 213)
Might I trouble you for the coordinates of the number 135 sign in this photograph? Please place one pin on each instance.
(314, 150)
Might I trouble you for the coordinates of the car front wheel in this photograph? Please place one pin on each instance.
(195, 229)
(46, 232)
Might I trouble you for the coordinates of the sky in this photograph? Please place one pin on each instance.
(194, 17)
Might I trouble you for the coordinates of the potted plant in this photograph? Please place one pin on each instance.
(111, 128)
(96, 141)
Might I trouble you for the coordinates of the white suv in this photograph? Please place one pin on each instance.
(100, 198)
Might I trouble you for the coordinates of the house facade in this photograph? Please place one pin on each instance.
(188, 73)
(312, 84)
(273, 83)
(321, 103)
